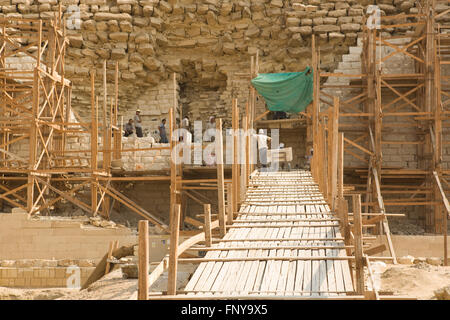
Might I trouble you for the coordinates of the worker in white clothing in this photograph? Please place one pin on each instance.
(262, 147)
(210, 132)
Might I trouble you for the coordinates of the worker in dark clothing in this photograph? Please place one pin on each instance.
(129, 128)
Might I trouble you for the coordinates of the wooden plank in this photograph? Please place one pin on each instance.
(382, 209)
(375, 250)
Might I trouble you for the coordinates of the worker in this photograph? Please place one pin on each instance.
(129, 128)
(308, 158)
(186, 135)
(285, 164)
(138, 124)
(210, 133)
(185, 123)
(162, 132)
(262, 147)
(278, 115)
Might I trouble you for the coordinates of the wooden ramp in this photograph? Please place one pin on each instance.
(284, 242)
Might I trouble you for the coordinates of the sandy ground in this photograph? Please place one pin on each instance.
(417, 281)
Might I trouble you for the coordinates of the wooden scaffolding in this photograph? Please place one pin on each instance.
(383, 103)
(37, 168)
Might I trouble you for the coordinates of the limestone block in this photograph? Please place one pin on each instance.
(106, 16)
(337, 13)
(326, 28)
(350, 27)
(405, 260)
(434, 261)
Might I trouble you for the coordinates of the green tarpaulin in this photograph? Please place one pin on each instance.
(288, 92)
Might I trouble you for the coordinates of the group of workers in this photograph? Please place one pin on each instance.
(135, 125)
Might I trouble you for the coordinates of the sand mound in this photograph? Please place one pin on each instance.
(414, 281)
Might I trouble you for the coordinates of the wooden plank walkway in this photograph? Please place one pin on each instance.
(284, 242)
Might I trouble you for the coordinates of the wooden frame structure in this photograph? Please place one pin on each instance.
(381, 102)
(37, 169)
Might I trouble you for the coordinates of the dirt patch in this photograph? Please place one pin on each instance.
(33, 294)
(419, 281)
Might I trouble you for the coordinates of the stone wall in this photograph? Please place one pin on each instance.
(22, 238)
(414, 245)
(41, 277)
(205, 43)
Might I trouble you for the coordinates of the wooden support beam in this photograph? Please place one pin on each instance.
(173, 250)
(143, 260)
(445, 216)
(220, 176)
(372, 280)
(359, 263)
(235, 165)
(374, 250)
(340, 177)
(230, 204)
(382, 210)
(207, 225)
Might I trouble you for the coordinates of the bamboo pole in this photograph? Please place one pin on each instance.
(359, 264)
(207, 225)
(143, 260)
(173, 251)
(220, 176)
(94, 135)
(230, 204)
(340, 174)
(173, 168)
(235, 165)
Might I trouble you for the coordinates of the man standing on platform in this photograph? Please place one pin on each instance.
(138, 124)
(262, 147)
(162, 132)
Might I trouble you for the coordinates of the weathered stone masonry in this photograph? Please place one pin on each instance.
(205, 43)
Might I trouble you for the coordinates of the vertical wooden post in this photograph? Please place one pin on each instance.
(33, 139)
(220, 176)
(444, 214)
(143, 260)
(333, 147)
(118, 132)
(243, 156)
(445, 231)
(106, 147)
(340, 174)
(175, 101)
(235, 165)
(94, 135)
(207, 224)
(173, 254)
(110, 251)
(229, 204)
(357, 231)
(316, 86)
(173, 168)
(324, 158)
